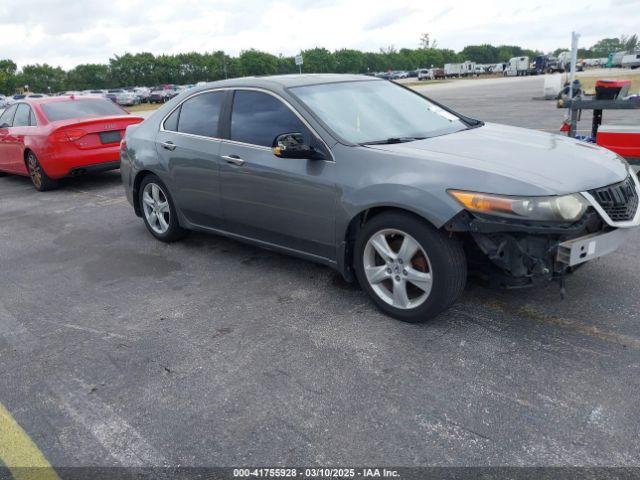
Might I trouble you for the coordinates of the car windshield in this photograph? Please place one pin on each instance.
(376, 112)
(80, 108)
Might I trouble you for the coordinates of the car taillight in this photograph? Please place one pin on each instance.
(70, 135)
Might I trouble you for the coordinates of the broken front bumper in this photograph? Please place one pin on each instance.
(517, 254)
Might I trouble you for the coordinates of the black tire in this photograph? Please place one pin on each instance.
(40, 180)
(175, 231)
(445, 254)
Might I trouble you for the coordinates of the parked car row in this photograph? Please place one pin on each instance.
(515, 66)
(20, 96)
(129, 96)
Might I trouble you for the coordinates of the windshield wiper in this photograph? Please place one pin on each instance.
(391, 140)
(473, 123)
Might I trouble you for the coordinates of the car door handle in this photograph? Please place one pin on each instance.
(235, 159)
(169, 145)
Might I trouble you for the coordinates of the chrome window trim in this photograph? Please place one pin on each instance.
(243, 144)
(626, 224)
(228, 140)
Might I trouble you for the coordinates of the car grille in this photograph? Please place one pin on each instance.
(619, 201)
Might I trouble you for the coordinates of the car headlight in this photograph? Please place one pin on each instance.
(566, 208)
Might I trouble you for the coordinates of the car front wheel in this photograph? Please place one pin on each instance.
(411, 270)
(158, 210)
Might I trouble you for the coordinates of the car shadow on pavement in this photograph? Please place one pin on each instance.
(87, 181)
(93, 180)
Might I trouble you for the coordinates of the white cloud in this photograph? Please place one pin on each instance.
(65, 33)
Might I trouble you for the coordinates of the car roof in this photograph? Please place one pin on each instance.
(287, 81)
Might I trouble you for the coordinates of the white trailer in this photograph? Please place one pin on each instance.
(453, 69)
(468, 68)
(631, 61)
(517, 66)
(459, 69)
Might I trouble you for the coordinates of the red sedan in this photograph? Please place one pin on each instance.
(51, 138)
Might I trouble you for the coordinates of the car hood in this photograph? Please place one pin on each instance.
(552, 163)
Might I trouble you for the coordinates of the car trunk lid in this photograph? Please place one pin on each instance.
(87, 133)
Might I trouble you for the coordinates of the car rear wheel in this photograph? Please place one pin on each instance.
(158, 210)
(38, 176)
(411, 270)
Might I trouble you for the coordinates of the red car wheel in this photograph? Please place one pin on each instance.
(39, 178)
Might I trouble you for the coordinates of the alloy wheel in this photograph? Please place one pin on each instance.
(397, 269)
(156, 208)
(34, 170)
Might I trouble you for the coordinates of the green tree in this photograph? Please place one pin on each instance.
(604, 47)
(42, 78)
(349, 61)
(88, 76)
(8, 70)
(286, 65)
(481, 53)
(631, 43)
(254, 62)
(318, 60)
(373, 62)
(135, 69)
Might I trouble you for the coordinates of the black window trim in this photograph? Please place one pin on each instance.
(224, 121)
(179, 106)
(31, 113)
(14, 113)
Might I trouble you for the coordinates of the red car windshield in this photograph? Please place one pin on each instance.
(81, 108)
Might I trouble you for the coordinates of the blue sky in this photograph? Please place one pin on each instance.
(61, 32)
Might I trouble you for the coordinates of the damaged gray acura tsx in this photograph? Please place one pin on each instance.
(379, 182)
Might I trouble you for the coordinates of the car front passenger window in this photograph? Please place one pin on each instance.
(257, 118)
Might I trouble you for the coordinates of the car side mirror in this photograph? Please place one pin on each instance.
(291, 145)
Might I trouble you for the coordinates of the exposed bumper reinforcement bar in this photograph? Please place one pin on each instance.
(579, 250)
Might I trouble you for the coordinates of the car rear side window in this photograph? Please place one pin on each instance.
(81, 108)
(200, 114)
(22, 115)
(171, 123)
(7, 116)
(258, 118)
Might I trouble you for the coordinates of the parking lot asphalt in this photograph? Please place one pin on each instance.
(116, 349)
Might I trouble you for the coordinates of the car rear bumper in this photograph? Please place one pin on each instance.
(77, 161)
